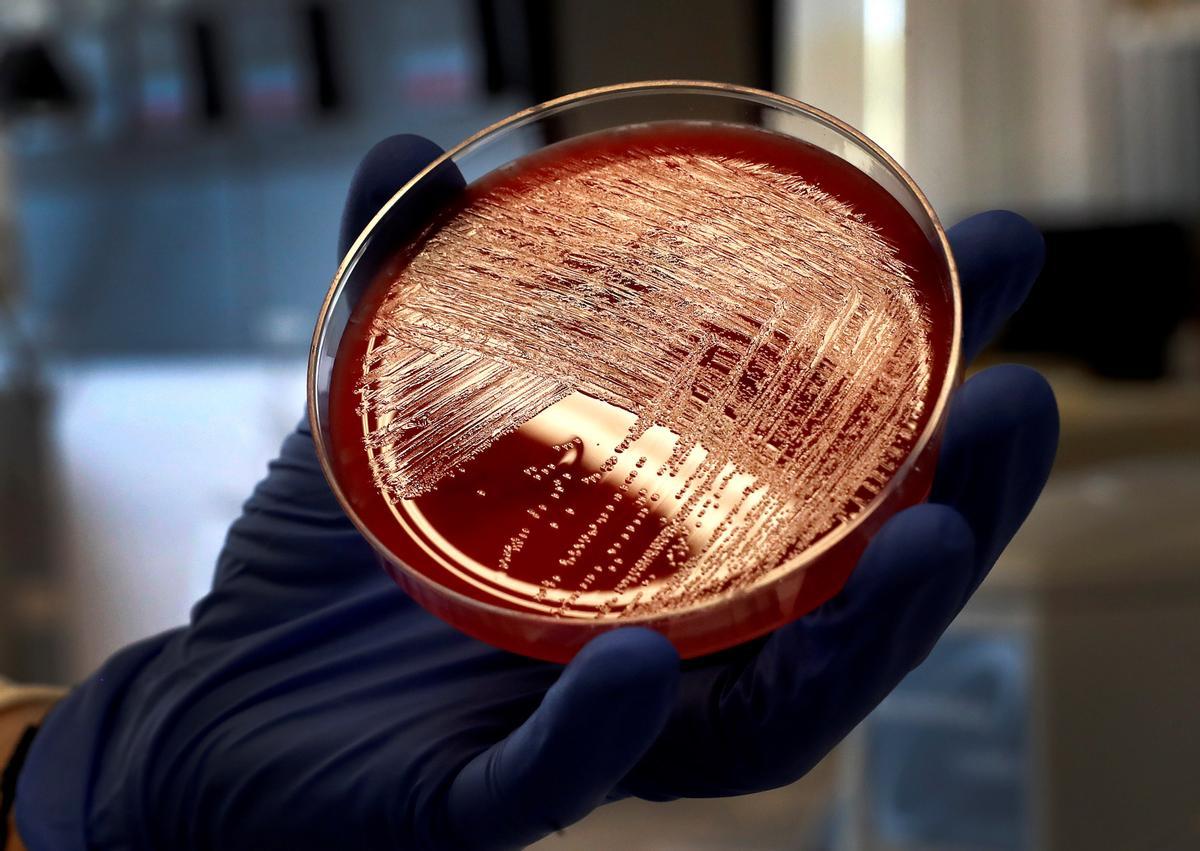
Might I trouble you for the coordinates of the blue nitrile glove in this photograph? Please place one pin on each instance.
(311, 704)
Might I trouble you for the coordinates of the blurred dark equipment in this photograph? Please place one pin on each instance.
(210, 82)
(32, 82)
(31, 640)
(551, 49)
(326, 87)
(516, 52)
(1110, 296)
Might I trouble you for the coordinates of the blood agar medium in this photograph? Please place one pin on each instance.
(636, 375)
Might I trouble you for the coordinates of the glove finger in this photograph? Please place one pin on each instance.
(386, 167)
(295, 478)
(997, 451)
(293, 534)
(766, 722)
(592, 726)
(999, 255)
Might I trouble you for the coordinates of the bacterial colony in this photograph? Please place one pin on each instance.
(670, 369)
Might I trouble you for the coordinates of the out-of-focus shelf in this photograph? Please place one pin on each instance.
(245, 143)
(1117, 521)
(1104, 420)
(1122, 531)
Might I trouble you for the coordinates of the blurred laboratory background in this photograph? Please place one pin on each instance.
(171, 175)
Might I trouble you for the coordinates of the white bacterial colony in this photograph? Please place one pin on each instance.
(756, 320)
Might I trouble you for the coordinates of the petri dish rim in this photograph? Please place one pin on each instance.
(319, 350)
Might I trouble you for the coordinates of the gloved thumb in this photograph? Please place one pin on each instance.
(591, 728)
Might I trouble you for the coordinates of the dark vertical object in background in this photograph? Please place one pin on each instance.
(327, 93)
(541, 21)
(551, 49)
(518, 47)
(210, 85)
(542, 36)
(31, 81)
(764, 28)
(763, 24)
(728, 41)
(1110, 296)
(520, 50)
(31, 643)
(496, 74)
(597, 44)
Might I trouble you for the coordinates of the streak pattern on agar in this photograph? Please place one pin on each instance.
(758, 320)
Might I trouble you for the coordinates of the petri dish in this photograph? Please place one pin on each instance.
(662, 354)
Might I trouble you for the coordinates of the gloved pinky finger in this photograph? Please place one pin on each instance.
(591, 728)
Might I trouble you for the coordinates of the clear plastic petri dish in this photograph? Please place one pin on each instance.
(663, 354)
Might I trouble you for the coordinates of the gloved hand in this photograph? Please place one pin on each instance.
(311, 704)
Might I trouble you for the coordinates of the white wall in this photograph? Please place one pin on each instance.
(1005, 102)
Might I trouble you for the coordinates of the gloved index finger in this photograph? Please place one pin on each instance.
(293, 544)
(999, 255)
(387, 167)
(997, 451)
